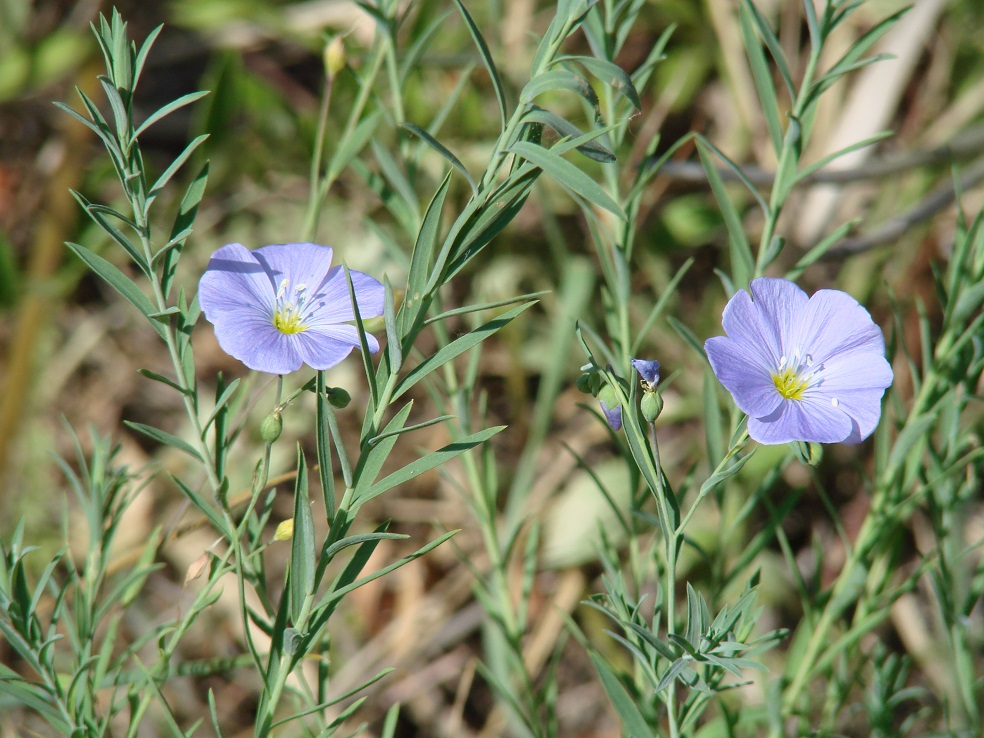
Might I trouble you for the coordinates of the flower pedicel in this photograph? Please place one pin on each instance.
(802, 368)
(282, 306)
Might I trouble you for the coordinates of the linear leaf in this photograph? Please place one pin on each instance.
(176, 165)
(301, 543)
(483, 51)
(761, 77)
(409, 429)
(485, 306)
(430, 461)
(632, 719)
(163, 437)
(168, 109)
(443, 151)
(120, 282)
(566, 174)
(742, 261)
(564, 128)
(611, 74)
(420, 261)
(456, 348)
(559, 79)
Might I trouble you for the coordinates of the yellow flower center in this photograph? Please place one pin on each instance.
(288, 316)
(790, 384)
(288, 321)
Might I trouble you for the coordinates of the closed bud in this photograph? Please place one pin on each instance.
(337, 397)
(334, 57)
(271, 427)
(285, 531)
(652, 406)
(583, 384)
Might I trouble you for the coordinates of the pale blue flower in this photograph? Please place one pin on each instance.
(802, 368)
(613, 415)
(648, 371)
(282, 306)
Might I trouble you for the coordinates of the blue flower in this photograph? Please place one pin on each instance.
(613, 416)
(282, 306)
(648, 370)
(802, 368)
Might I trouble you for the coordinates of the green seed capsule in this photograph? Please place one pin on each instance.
(271, 427)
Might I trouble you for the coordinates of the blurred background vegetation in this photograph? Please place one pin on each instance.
(69, 350)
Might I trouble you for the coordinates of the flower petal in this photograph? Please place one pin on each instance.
(331, 302)
(781, 303)
(325, 346)
(745, 325)
(801, 420)
(833, 323)
(301, 264)
(740, 370)
(259, 345)
(235, 286)
(648, 370)
(613, 416)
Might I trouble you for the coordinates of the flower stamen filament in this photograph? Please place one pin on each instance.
(790, 384)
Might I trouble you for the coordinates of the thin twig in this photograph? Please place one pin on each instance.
(889, 231)
(965, 146)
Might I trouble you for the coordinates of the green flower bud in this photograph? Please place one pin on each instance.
(652, 406)
(334, 57)
(583, 384)
(271, 427)
(337, 397)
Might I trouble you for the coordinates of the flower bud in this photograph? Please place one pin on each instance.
(610, 407)
(337, 397)
(583, 384)
(271, 427)
(285, 531)
(652, 406)
(334, 57)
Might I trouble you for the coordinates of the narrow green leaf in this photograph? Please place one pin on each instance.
(214, 515)
(141, 57)
(611, 74)
(420, 261)
(331, 551)
(120, 282)
(772, 42)
(164, 380)
(742, 260)
(559, 79)
(625, 707)
(485, 306)
(371, 460)
(443, 151)
(564, 128)
(98, 213)
(363, 342)
(568, 175)
(181, 229)
(430, 461)
(223, 400)
(167, 110)
(761, 76)
(409, 429)
(175, 166)
(164, 438)
(350, 146)
(301, 544)
(483, 51)
(456, 348)
(326, 474)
